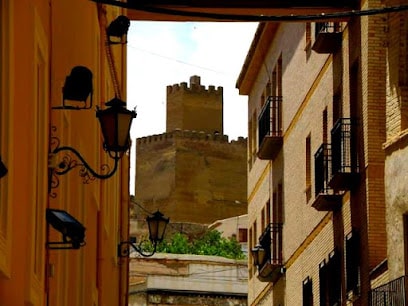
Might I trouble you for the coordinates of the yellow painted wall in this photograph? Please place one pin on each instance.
(40, 43)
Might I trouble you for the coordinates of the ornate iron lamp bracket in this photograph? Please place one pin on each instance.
(68, 163)
(124, 248)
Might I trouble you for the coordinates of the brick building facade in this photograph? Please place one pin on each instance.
(326, 151)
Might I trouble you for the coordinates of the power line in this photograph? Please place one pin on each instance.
(175, 60)
(254, 18)
(142, 207)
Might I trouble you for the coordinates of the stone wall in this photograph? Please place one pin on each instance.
(194, 107)
(192, 176)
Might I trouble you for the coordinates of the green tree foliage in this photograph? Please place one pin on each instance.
(211, 243)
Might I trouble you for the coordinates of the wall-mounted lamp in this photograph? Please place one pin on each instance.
(73, 232)
(3, 169)
(76, 90)
(157, 224)
(115, 123)
(258, 254)
(118, 29)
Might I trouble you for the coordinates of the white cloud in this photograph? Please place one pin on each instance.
(165, 53)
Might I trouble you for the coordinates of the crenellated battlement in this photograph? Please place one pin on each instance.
(195, 87)
(187, 134)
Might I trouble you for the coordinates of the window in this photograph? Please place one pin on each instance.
(253, 137)
(250, 142)
(337, 107)
(255, 235)
(254, 239)
(275, 91)
(277, 205)
(323, 283)
(263, 220)
(308, 170)
(308, 41)
(330, 280)
(262, 101)
(334, 281)
(242, 235)
(352, 264)
(268, 212)
(324, 127)
(307, 292)
(250, 247)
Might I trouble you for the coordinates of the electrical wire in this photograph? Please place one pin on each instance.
(150, 213)
(175, 60)
(142, 207)
(253, 18)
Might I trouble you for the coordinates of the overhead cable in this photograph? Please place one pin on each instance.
(252, 18)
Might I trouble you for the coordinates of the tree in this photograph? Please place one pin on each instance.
(211, 243)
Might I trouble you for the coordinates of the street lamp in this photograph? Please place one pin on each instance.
(157, 224)
(258, 254)
(115, 122)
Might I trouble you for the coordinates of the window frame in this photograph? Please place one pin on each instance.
(352, 252)
(307, 292)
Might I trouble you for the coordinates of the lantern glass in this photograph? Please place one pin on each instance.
(255, 257)
(107, 121)
(258, 254)
(115, 124)
(157, 226)
(261, 256)
(124, 123)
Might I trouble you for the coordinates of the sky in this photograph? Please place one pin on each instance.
(168, 53)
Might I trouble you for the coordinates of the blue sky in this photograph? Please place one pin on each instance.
(167, 53)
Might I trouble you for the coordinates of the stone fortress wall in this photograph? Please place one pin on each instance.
(192, 172)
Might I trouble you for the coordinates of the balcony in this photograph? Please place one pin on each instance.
(270, 138)
(344, 158)
(325, 197)
(393, 293)
(271, 269)
(328, 37)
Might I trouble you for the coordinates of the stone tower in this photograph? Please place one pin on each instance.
(194, 108)
(192, 173)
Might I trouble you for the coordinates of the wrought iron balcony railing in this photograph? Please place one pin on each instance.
(327, 37)
(271, 241)
(326, 27)
(325, 197)
(270, 128)
(344, 158)
(322, 169)
(393, 293)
